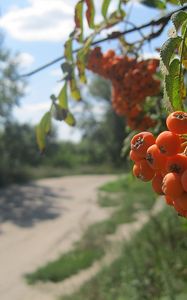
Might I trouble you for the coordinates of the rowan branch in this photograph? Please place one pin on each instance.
(163, 21)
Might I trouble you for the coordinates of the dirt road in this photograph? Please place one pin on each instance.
(38, 222)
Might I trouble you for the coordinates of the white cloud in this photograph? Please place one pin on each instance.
(41, 20)
(30, 112)
(25, 59)
(44, 20)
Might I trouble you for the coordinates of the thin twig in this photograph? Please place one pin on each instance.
(161, 21)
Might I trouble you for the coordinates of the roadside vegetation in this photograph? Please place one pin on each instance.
(152, 265)
(94, 244)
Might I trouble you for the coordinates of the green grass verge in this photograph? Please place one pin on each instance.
(39, 172)
(130, 194)
(153, 265)
(93, 243)
(65, 266)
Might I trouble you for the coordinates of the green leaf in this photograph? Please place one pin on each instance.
(42, 129)
(168, 49)
(75, 92)
(175, 2)
(68, 50)
(160, 4)
(90, 13)
(178, 18)
(79, 20)
(183, 29)
(70, 120)
(46, 122)
(40, 138)
(182, 1)
(81, 64)
(104, 8)
(173, 84)
(63, 98)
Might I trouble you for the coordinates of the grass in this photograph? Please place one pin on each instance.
(39, 172)
(153, 265)
(66, 265)
(93, 244)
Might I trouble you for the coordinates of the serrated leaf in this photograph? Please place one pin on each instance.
(183, 29)
(104, 8)
(70, 120)
(63, 98)
(178, 18)
(173, 84)
(90, 13)
(42, 129)
(75, 92)
(79, 20)
(68, 50)
(168, 49)
(160, 4)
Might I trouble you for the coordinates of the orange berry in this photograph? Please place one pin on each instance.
(141, 142)
(184, 180)
(180, 204)
(142, 170)
(157, 183)
(176, 164)
(155, 158)
(169, 200)
(168, 143)
(134, 156)
(177, 122)
(172, 185)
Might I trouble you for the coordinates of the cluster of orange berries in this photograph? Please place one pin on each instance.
(164, 160)
(132, 81)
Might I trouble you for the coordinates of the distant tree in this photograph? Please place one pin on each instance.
(11, 86)
(103, 137)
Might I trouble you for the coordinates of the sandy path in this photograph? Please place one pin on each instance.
(38, 222)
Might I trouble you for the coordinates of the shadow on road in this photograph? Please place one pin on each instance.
(29, 204)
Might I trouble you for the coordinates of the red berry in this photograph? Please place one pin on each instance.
(168, 143)
(177, 122)
(172, 185)
(141, 142)
(155, 158)
(143, 171)
(184, 180)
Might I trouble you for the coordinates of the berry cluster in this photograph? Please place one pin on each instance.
(164, 160)
(132, 81)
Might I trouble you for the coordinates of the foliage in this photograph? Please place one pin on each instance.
(11, 86)
(143, 271)
(173, 54)
(67, 265)
(76, 59)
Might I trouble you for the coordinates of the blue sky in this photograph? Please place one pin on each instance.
(37, 30)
